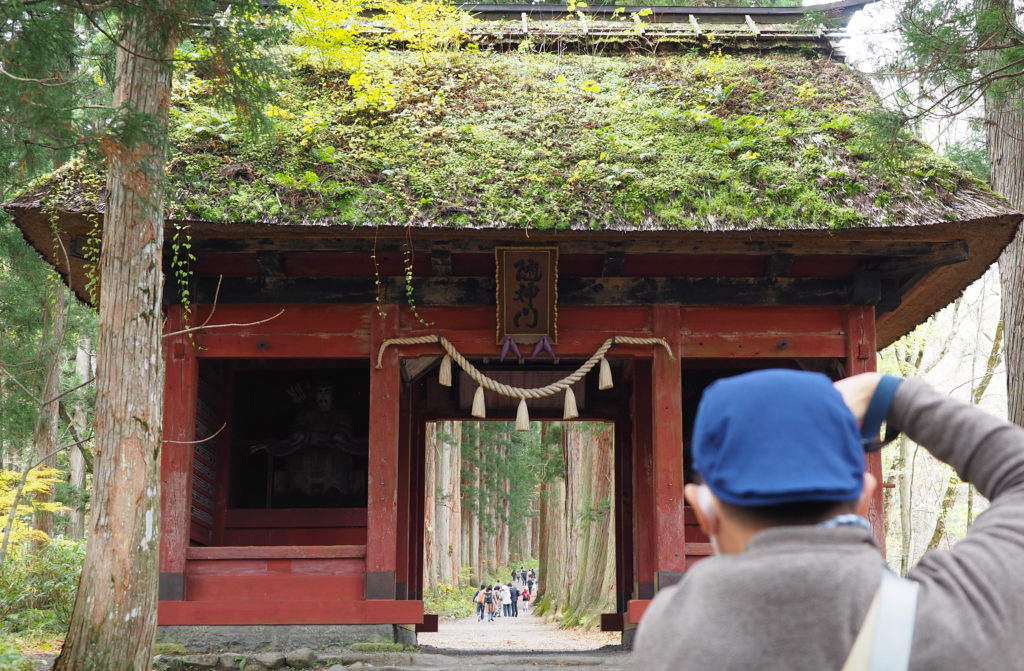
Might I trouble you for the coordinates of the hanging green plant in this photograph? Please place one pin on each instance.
(181, 267)
(407, 264)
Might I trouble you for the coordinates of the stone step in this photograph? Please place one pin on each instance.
(394, 661)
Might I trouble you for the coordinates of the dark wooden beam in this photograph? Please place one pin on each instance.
(271, 262)
(808, 244)
(441, 262)
(778, 264)
(612, 264)
(943, 254)
(866, 288)
(838, 11)
(571, 290)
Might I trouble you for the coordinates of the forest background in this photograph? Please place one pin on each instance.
(521, 500)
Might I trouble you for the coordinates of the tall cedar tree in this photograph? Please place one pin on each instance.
(962, 53)
(48, 112)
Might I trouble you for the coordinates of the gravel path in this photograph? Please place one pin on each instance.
(526, 633)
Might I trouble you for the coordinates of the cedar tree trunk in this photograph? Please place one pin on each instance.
(113, 623)
(1005, 121)
(45, 435)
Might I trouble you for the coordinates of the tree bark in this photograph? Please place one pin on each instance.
(1005, 130)
(475, 556)
(429, 507)
(113, 622)
(948, 499)
(453, 453)
(906, 524)
(588, 587)
(47, 424)
(83, 371)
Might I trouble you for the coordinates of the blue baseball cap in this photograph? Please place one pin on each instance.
(777, 436)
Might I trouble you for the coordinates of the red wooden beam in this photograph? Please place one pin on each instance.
(635, 611)
(667, 433)
(278, 583)
(382, 485)
(179, 424)
(277, 552)
(860, 325)
(321, 611)
(342, 331)
(295, 517)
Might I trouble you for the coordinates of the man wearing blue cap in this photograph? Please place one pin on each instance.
(799, 582)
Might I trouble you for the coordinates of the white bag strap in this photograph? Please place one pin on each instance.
(884, 640)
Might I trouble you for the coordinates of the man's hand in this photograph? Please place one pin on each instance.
(857, 392)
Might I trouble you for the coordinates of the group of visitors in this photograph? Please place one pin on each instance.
(526, 578)
(488, 599)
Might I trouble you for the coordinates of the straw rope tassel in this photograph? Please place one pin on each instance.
(522, 416)
(604, 376)
(570, 411)
(479, 409)
(444, 376)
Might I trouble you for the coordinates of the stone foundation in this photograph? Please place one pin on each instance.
(210, 638)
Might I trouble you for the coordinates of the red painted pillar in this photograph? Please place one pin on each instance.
(643, 483)
(860, 358)
(179, 425)
(667, 435)
(382, 485)
(405, 500)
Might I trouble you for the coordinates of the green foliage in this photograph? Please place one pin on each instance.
(381, 646)
(27, 287)
(37, 589)
(58, 99)
(450, 601)
(504, 454)
(11, 659)
(958, 53)
(40, 480)
(330, 38)
(971, 155)
(549, 142)
(165, 648)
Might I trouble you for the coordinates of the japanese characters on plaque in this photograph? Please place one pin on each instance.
(527, 293)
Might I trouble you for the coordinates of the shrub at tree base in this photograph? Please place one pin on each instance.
(37, 589)
(449, 601)
(11, 659)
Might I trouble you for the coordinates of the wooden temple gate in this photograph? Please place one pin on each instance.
(297, 287)
(225, 565)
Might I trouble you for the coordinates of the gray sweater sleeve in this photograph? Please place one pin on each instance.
(978, 585)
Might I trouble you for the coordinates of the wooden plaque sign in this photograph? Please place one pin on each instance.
(527, 288)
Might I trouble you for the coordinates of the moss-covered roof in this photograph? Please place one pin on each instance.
(694, 141)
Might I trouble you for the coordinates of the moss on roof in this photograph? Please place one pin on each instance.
(706, 141)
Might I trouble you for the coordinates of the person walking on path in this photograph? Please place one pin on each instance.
(513, 594)
(478, 599)
(506, 602)
(490, 603)
(526, 600)
(782, 456)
